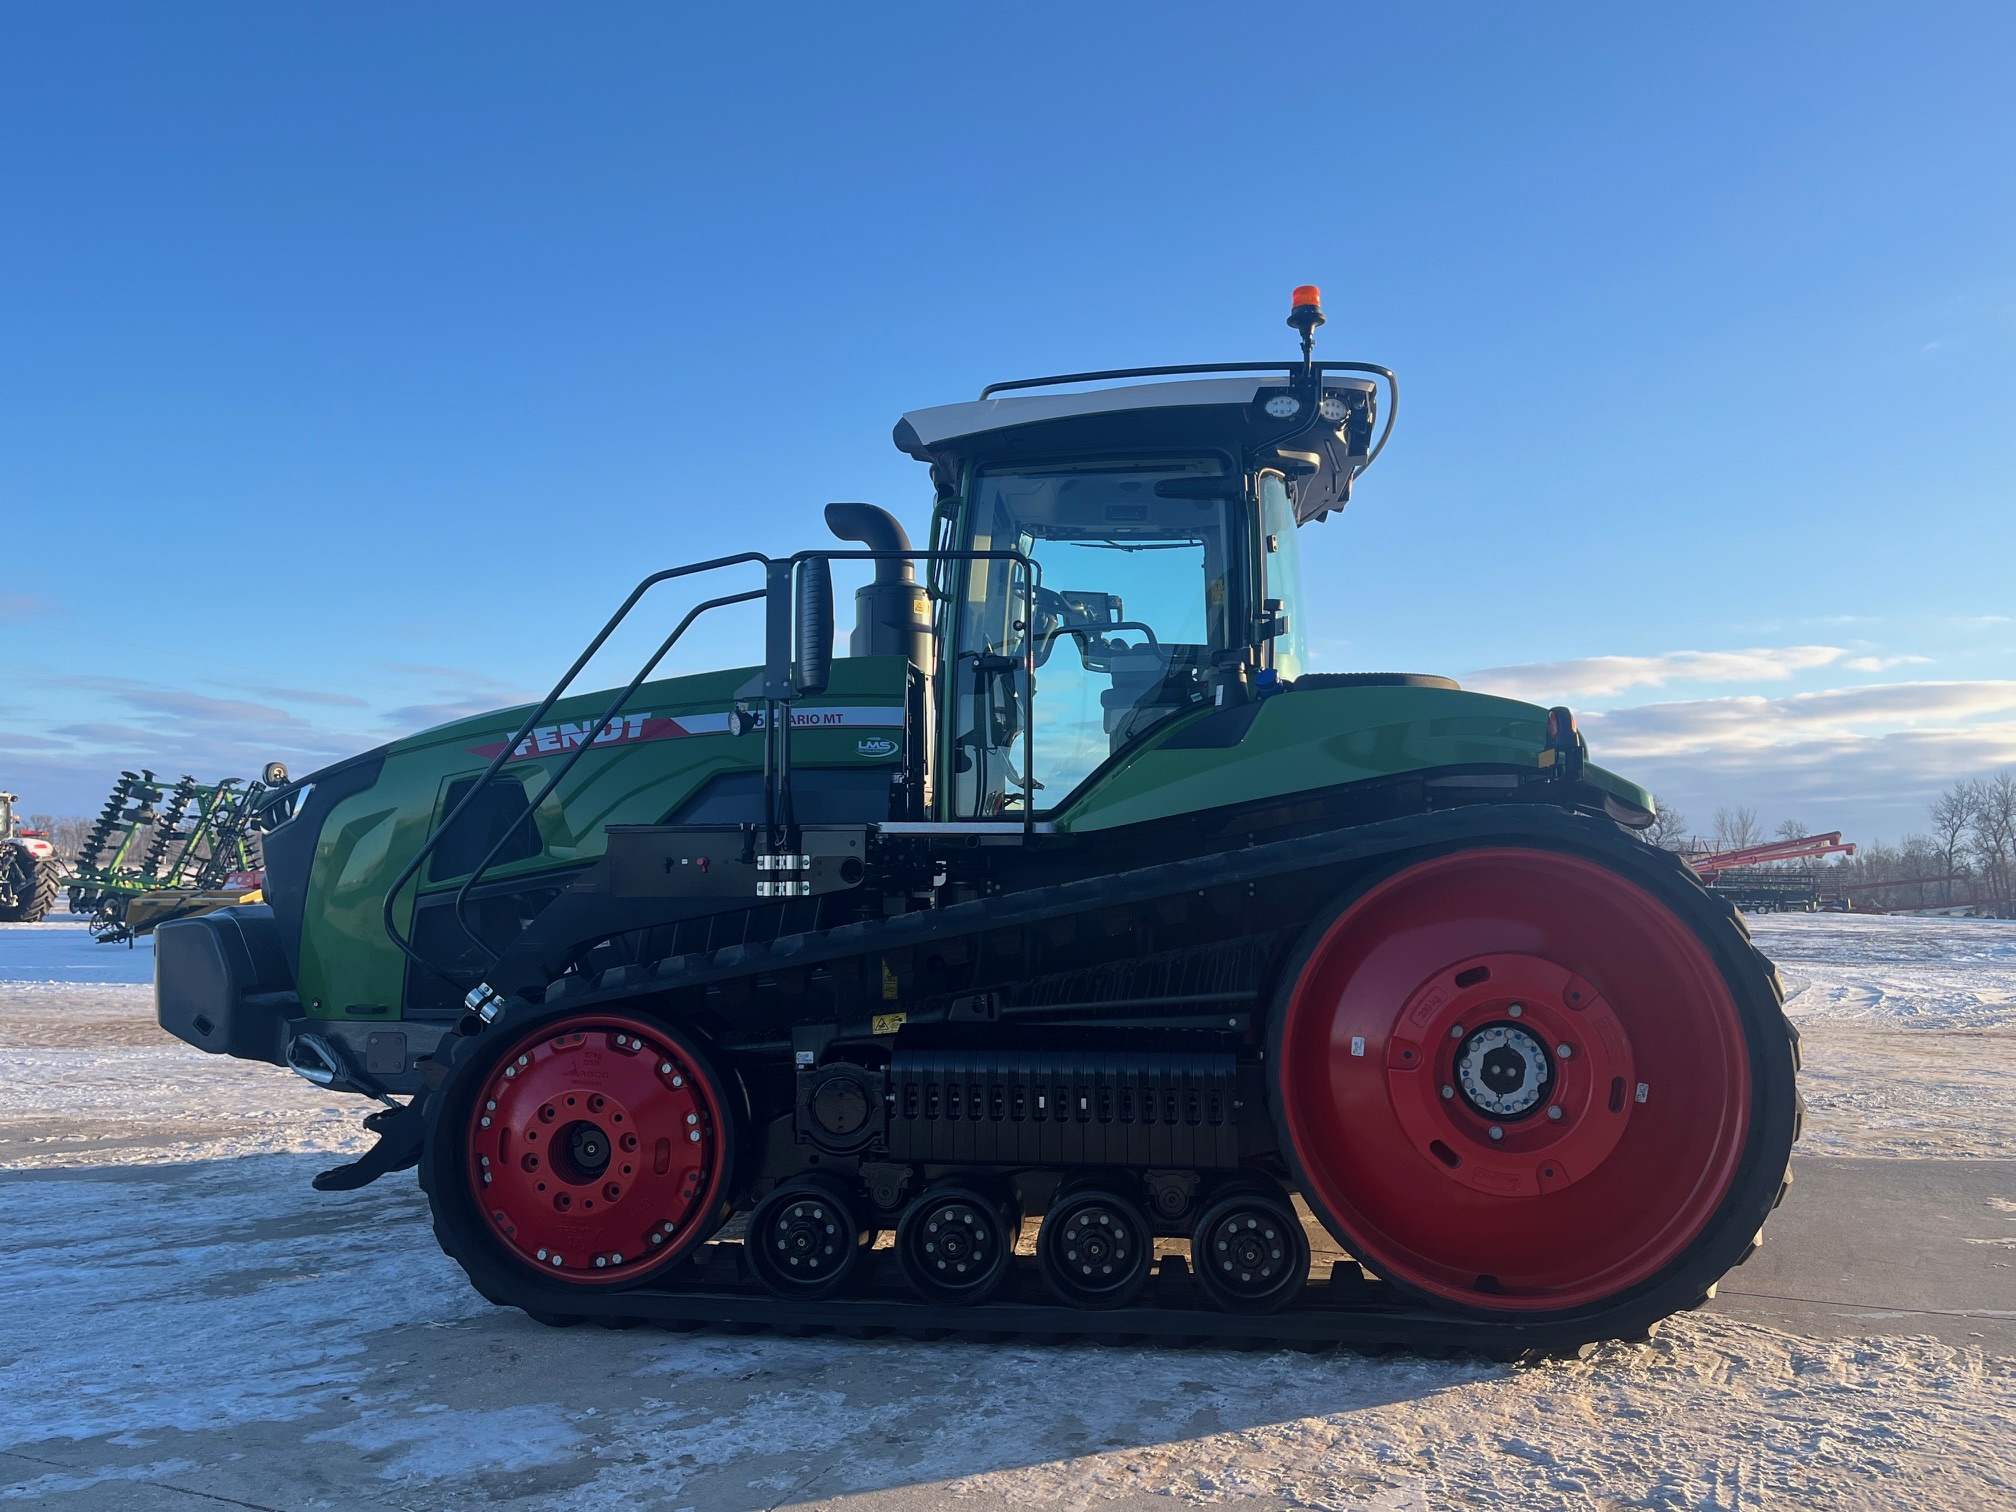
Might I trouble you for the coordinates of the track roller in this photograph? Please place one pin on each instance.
(808, 1237)
(1094, 1248)
(1248, 1249)
(955, 1242)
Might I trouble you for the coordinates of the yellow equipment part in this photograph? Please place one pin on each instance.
(148, 909)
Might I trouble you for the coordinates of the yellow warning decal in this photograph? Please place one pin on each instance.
(888, 983)
(889, 1023)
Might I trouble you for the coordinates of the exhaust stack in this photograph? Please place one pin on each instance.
(892, 615)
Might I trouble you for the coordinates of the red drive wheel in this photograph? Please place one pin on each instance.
(1513, 1080)
(597, 1149)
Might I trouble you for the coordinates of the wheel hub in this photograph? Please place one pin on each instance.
(955, 1239)
(1094, 1243)
(1528, 1101)
(1503, 1071)
(586, 1147)
(1247, 1250)
(806, 1237)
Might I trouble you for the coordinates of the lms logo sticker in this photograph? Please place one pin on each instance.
(875, 745)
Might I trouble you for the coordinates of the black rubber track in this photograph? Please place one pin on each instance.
(1342, 1310)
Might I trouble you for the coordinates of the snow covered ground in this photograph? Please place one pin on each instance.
(1908, 1028)
(188, 1322)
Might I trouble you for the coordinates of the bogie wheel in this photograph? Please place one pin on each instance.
(593, 1151)
(1095, 1248)
(1530, 1082)
(1248, 1249)
(956, 1242)
(808, 1237)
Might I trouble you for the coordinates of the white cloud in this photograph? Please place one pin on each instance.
(1607, 676)
(1752, 722)
(1870, 786)
(1881, 663)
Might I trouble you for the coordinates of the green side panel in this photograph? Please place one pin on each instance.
(675, 743)
(1314, 739)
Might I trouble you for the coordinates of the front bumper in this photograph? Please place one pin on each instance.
(221, 983)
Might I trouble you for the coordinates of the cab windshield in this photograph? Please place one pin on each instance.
(1134, 562)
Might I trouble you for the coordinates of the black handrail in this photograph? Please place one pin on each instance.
(588, 739)
(1030, 583)
(412, 867)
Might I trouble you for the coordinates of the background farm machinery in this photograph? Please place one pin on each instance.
(1757, 878)
(158, 852)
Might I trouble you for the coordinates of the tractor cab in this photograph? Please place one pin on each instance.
(1110, 558)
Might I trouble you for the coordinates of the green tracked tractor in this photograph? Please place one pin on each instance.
(1068, 894)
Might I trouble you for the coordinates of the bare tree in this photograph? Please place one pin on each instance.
(1994, 832)
(1737, 828)
(1952, 820)
(1791, 829)
(1668, 829)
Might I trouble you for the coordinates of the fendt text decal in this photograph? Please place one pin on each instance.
(631, 729)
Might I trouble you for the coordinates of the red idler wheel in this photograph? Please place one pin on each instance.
(1512, 1079)
(598, 1149)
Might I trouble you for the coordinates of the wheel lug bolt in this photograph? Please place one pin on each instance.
(665, 1068)
(1555, 1113)
(1496, 1132)
(1455, 1031)
(1515, 1011)
(1448, 1091)
(1564, 1051)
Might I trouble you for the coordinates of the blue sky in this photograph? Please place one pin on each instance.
(354, 361)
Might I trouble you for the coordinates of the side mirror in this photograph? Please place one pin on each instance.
(812, 615)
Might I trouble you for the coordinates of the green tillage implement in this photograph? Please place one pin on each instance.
(200, 835)
(1067, 895)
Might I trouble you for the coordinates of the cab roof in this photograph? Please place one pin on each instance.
(1229, 412)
